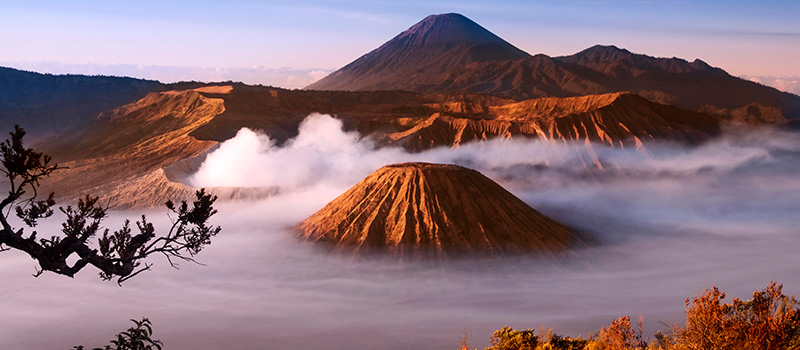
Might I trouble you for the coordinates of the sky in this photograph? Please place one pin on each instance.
(295, 42)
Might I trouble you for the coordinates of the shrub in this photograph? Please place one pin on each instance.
(770, 321)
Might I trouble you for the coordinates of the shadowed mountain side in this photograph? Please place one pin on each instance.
(532, 77)
(618, 119)
(278, 112)
(691, 84)
(421, 55)
(47, 104)
(433, 210)
(752, 114)
(605, 69)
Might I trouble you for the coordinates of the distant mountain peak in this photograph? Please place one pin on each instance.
(607, 48)
(604, 51)
(425, 52)
(449, 28)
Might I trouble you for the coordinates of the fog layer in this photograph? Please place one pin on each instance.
(670, 221)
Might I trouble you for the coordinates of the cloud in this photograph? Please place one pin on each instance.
(554, 174)
(673, 222)
(784, 83)
(318, 74)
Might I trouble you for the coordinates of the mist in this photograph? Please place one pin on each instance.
(289, 78)
(670, 222)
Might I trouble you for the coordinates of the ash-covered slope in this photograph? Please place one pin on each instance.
(617, 119)
(433, 210)
(128, 146)
(421, 55)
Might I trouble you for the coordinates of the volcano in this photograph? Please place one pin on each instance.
(433, 210)
(451, 54)
(429, 49)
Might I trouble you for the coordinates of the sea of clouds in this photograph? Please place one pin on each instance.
(670, 221)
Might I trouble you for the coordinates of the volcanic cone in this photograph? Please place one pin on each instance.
(421, 209)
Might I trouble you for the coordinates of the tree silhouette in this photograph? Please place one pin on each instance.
(119, 254)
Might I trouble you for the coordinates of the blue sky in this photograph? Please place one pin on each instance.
(743, 37)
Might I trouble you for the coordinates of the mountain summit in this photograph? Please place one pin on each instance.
(451, 29)
(428, 49)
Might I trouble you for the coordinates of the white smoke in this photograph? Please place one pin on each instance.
(321, 152)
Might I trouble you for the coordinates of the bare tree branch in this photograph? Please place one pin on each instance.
(119, 254)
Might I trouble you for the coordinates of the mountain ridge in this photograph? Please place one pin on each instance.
(45, 104)
(164, 128)
(694, 85)
(617, 120)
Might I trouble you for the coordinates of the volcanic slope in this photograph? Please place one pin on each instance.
(128, 156)
(616, 119)
(433, 210)
(137, 154)
(421, 55)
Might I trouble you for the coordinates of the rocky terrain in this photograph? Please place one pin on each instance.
(124, 138)
(135, 155)
(617, 119)
(433, 210)
(131, 149)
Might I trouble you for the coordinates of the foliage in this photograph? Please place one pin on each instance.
(135, 338)
(119, 254)
(769, 321)
(620, 335)
(557, 342)
(510, 339)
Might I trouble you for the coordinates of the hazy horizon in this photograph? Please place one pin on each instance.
(283, 77)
